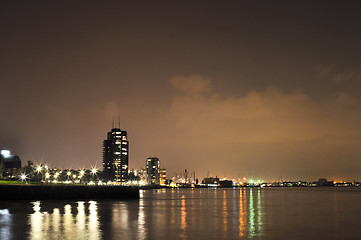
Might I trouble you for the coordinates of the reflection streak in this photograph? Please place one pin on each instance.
(241, 214)
(93, 225)
(56, 220)
(225, 213)
(259, 212)
(141, 217)
(67, 221)
(183, 217)
(36, 221)
(5, 224)
(80, 217)
(251, 214)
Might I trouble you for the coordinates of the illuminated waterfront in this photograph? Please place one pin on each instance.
(246, 213)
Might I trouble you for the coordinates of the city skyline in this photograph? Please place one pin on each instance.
(263, 90)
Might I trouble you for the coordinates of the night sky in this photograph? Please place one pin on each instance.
(257, 89)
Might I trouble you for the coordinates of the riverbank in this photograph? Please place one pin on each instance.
(63, 192)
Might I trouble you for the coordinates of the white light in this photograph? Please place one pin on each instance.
(36, 206)
(22, 177)
(4, 212)
(56, 211)
(5, 153)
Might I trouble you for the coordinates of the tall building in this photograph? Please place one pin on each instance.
(116, 155)
(153, 170)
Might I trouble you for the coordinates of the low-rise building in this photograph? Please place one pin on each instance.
(10, 163)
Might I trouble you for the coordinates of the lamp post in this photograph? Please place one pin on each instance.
(68, 175)
(23, 177)
(93, 173)
(39, 170)
(47, 176)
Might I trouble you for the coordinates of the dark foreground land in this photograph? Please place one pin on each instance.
(62, 192)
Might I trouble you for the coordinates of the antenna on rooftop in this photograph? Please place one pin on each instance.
(113, 123)
(119, 122)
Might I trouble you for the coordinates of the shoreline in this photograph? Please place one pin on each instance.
(66, 192)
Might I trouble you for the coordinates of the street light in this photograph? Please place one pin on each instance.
(56, 175)
(47, 175)
(39, 170)
(23, 177)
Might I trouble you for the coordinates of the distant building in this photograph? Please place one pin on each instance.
(116, 155)
(322, 182)
(211, 180)
(162, 176)
(226, 183)
(9, 163)
(153, 170)
(143, 176)
(133, 175)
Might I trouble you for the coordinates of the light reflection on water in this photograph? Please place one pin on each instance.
(225, 212)
(241, 215)
(249, 213)
(259, 212)
(67, 225)
(183, 218)
(5, 224)
(141, 218)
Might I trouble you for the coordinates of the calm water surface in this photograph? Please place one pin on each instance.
(251, 213)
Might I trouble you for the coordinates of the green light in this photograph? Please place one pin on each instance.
(259, 211)
(251, 214)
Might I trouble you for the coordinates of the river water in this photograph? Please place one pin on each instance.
(248, 213)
